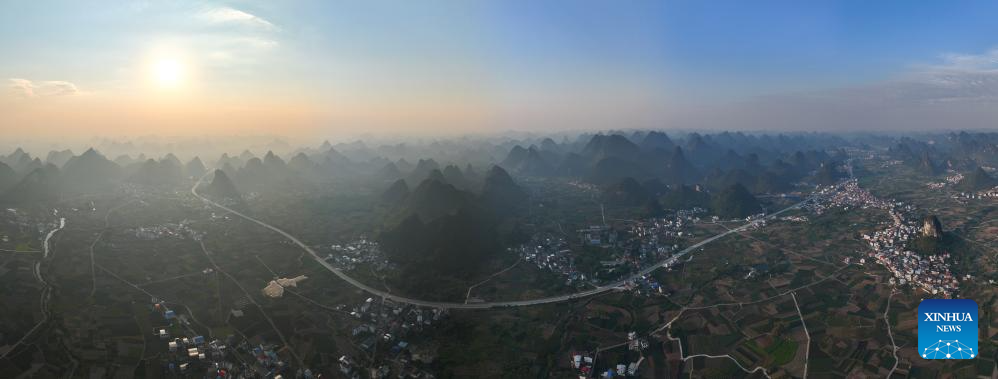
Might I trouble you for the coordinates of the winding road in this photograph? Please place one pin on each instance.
(486, 305)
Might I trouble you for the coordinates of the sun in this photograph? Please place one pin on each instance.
(169, 73)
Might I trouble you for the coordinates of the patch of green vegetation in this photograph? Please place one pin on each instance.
(782, 352)
(24, 246)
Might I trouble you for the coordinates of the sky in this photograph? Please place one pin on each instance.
(337, 68)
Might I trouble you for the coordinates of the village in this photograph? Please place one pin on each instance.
(383, 338)
(604, 253)
(362, 251)
(889, 246)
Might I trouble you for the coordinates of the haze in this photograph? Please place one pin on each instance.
(498, 189)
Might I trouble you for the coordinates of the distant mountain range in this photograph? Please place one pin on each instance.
(222, 187)
(735, 202)
(762, 163)
(157, 173)
(444, 231)
(434, 197)
(961, 151)
(396, 193)
(41, 184)
(710, 160)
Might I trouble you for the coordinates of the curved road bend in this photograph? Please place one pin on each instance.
(486, 305)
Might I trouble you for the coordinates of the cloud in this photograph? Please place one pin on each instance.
(227, 15)
(955, 79)
(969, 79)
(224, 51)
(256, 43)
(28, 88)
(970, 62)
(956, 91)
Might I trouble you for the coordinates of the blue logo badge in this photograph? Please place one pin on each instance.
(947, 329)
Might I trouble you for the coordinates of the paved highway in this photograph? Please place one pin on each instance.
(485, 305)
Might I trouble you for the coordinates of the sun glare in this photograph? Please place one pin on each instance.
(169, 73)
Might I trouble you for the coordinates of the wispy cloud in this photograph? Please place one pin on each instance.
(954, 91)
(224, 51)
(953, 78)
(227, 15)
(969, 62)
(257, 43)
(967, 78)
(28, 88)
